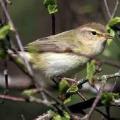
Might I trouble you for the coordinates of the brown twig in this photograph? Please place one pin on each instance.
(4, 21)
(111, 15)
(40, 101)
(45, 116)
(6, 75)
(81, 95)
(13, 98)
(56, 100)
(111, 63)
(107, 9)
(88, 116)
(104, 79)
(13, 56)
(115, 9)
(70, 80)
(29, 99)
(16, 35)
(9, 2)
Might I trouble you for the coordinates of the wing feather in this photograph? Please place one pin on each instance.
(57, 43)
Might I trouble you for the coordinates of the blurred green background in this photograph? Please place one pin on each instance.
(32, 21)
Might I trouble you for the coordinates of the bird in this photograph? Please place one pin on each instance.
(65, 54)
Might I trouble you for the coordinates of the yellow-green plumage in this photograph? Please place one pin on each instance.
(57, 54)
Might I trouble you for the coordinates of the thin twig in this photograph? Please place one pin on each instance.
(110, 76)
(111, 63)
(111, 15)
(29, 99)
(46, 116)
(5, 71)
(39, 101)
(102, 113)
(95, 102)
(4, 19)
(83, 97)
(107, 9)
(56, 100)
(22, 117)
(6, 75)
(9, 2)
(115, 9)
(44, 97)
(104, 79)
(14, 57)
(13, 98)
(16, 35)
(70, 80)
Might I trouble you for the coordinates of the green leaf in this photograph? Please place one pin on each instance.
(57, 117)
(116, 96)
(108, 97)
(65, 116)
(73, 89)
(4, 31)
(109, 28)
(112, 33)
(52, 9)
(51, 6)
(110, 24)
(29, 92)
(90, 70)
(67, 100)
(63, 85)
(113, 21)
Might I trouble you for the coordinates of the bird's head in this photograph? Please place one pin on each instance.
(93, 36)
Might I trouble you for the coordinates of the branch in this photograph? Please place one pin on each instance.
(107, 9)
(111, 63)
(104, 79)
(16, 35)
(115, 8)
(56, 100)
(111, 15)
(46, 116)
(12, 98)
(88, 116)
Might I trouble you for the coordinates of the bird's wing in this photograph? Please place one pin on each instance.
(63, 42)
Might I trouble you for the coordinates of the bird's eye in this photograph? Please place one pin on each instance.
(93, 33)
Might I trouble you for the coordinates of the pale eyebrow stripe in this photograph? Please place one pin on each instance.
(89, 29)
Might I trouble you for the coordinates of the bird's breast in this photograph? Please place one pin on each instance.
(58, 63)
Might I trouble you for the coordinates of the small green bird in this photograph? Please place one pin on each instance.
(58, 55)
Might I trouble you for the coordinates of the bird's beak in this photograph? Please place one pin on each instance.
(108, 36)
